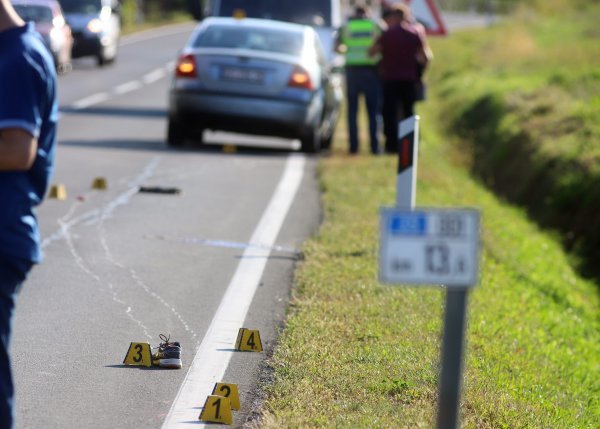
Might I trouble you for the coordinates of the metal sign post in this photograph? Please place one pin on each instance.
(428, 247)
(432, 246)
(452, 358)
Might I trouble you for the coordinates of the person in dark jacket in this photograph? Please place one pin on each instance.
(403, 54)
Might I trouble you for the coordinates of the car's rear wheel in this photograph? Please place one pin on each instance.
(310, 142)
(101, 59)
(175, 134)
(326, 142)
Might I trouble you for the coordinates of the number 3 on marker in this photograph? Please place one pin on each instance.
(138, 357)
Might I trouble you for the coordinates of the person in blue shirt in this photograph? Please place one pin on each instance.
(28, 118)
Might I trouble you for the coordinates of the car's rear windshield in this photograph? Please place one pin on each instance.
(307, 12)
(254, 38)
(35, 13)
(86, 7)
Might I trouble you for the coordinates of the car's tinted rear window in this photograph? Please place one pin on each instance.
(35, 13)
(308, 12)
(81, 6)
(255, 38)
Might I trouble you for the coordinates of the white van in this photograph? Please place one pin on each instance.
(323, 15)
(96, 27)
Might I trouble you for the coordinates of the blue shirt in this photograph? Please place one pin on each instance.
(27, 101)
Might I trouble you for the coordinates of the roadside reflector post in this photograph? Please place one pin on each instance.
(432, 247)
(408, 151)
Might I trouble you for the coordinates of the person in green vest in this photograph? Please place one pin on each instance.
(355, 39)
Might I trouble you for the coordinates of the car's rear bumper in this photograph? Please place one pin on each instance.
(262, 116)
(84, 46)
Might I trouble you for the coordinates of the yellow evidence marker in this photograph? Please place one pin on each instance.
(229, 391)
(100, 183)
(138, 354)
(248, 340)
(229, 148)
(217, 409)
(58, 192)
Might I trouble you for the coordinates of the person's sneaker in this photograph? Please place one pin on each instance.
(168, 354)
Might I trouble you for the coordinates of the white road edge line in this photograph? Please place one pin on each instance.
(123, 88)
(213, 356)
(127, 87)
(154, 75)
(86, 102)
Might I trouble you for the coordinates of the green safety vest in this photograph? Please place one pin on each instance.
(358, 36)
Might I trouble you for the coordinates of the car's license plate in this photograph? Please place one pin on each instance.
(239, 74)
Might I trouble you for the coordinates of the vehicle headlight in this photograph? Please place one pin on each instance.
(95, 26)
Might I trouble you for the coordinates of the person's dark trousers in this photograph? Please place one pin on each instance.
(398, 104)
(363, 80)
(11, 278)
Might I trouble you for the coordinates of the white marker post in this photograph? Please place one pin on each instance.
(432, 247)
(406, 182)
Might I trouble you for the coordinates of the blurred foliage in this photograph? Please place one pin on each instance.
(509, 6)
(137, 14)
(523, 97)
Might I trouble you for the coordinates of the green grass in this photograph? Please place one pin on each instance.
(356, 353)
(154, 18)
(525, 98)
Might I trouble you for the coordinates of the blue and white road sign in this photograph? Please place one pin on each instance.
(429, 246)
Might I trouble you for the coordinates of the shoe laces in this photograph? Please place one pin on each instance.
(165, 344)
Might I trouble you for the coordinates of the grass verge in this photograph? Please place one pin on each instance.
(524, 97)
(358, 354)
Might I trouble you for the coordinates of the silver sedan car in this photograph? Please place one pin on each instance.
(254, 76)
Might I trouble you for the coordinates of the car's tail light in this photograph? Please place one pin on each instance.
(300, 79)
(186, 66)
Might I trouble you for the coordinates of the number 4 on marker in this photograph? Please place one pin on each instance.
(248, 340)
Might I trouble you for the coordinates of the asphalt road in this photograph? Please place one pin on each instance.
(123, 266)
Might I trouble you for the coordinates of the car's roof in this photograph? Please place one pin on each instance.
(254, 22)
(50, 3)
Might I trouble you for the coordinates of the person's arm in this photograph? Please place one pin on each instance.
(375, 47)
(18, 149)
(340, 48)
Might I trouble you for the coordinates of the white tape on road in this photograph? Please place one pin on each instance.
(215, 351)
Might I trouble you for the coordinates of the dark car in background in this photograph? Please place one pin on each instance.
(254, 76)
(50, 23)
(96, 26)
(325, 16)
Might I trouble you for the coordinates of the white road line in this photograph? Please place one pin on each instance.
(215, 351)
(124, 88)
(143, 36)
(154, 76)
(86, 102)
(127, 87)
